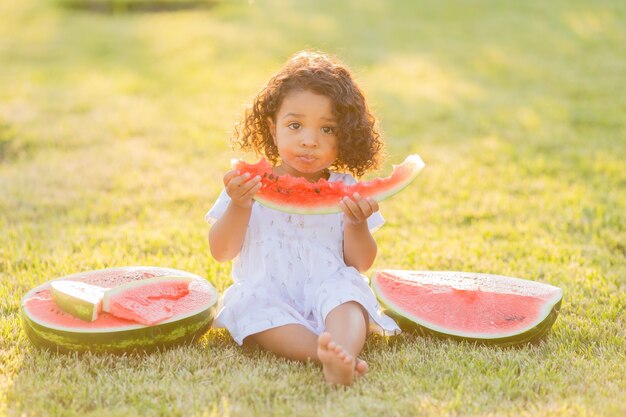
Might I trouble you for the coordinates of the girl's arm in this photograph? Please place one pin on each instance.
(227, 234)
(359, 247)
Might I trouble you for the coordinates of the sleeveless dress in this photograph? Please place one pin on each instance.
(291, 271)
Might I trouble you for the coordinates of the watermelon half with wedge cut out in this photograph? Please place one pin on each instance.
(491, 309)
(148, 308)
(297, 195)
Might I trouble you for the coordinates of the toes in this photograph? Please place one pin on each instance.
(344, 355)
(333, 352)
(361, 367)
(324, 340)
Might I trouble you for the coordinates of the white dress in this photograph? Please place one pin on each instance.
(291, 271)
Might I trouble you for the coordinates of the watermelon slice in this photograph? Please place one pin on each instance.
(297, 195)
(191, 308)
(79, 299)
(491, 309)
(147, 301)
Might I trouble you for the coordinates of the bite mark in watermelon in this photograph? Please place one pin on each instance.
(297, 195)
(477, 307)
(48, 326)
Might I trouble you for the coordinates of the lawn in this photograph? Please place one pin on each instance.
(114, 136)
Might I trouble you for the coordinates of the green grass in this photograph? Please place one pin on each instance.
(114, 136)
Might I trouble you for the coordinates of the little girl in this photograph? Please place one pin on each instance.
(298, 290)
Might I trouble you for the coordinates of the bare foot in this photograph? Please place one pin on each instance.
(338, 365)
(361, 367)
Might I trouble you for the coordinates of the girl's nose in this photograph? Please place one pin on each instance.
(308, 140)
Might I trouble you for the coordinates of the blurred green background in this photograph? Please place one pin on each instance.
(115, 119)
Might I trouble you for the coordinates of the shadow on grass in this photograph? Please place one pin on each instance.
(409, 337)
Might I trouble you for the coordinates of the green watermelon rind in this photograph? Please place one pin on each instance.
(532, 333)
(178, 330)
(143, 339)
(413, 161)
(296, 209)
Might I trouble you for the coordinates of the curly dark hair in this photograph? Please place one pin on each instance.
(360, 148)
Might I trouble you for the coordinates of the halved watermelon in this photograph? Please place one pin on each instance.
(477, 307)
(297, 195)
(48, 326)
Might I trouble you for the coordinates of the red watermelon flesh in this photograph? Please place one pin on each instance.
(297, 195)
(470, 306)
(148, 301)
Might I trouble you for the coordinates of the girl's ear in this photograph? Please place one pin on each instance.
(272, 126)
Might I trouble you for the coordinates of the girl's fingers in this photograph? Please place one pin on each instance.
(238, 180)
(238, 185)
(248, 184)
(360, 208)
(373, 205)
(245, 190)
(364, 205)
(254, 188)
(228, 177)
(352, 210)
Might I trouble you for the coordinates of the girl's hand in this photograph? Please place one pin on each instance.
(240, 188)
(357, 209)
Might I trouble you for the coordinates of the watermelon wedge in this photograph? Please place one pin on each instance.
(79, 299)
(490, 309)
(190, 309)
(297, 195)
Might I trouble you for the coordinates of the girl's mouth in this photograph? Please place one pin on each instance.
(306, 158)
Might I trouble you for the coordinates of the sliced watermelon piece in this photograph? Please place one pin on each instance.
(147, 301)
(476, 307)
(79, 299)
(48, 326)
(297, 195)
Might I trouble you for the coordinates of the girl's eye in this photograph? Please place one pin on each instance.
(329, 130)
(294, 126)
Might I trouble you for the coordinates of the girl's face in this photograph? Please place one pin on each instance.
(305, 132)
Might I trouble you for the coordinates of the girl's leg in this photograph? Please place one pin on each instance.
(291, 341)
(338, 347)
(347, 325)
